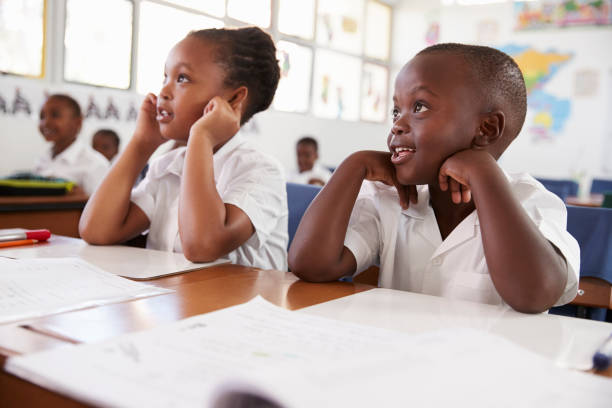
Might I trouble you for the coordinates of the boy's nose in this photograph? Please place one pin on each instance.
(165, 92)
(399, 128)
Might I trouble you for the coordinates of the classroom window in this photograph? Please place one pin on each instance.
(155, 40)
(336, 85)
(296, 18)
(378, 29)
(374, 92)
(22, 37)
(213, 7)
(94, 54)
(293, 93)
(340, 25)
(255, 12)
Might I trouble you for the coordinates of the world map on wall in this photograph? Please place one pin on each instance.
(549, 112)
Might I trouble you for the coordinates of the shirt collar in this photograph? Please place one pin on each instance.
(422, 209)
(70, 155)
(177, 161)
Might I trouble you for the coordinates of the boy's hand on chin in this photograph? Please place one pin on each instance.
(219, 122)
(147, 128)
(378, 167)
(457, 173)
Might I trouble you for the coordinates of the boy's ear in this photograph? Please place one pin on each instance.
(490, 130)
(239, 95)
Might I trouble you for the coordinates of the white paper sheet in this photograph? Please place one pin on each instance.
(38, 287)
(306, 361)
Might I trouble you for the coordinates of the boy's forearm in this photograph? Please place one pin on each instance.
(527, 271)
(104, 215)
(317, 251)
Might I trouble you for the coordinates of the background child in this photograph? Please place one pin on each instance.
(475, 232)
(309, 171)
(60, 123)
(218, 196)
(106, 142)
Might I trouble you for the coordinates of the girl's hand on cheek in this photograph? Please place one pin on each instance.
(147, 128)
(219, 122)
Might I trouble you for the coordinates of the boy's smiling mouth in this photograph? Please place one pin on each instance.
(401, 153)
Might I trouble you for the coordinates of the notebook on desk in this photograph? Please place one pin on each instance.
(129, 262)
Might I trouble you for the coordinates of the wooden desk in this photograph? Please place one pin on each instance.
(594, 200)
(196, 292)
(59, 214)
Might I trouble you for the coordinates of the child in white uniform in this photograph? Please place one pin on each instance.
(218, 196)
(469, 231)
(60, 123)
(309, 170)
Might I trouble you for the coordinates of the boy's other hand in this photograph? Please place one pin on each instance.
(457, 172)
(219, 122)
(147, 128)
(378, 167)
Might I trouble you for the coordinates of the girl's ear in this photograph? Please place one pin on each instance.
(490, 129)
(238, 96)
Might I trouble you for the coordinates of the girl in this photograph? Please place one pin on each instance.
(217, 196)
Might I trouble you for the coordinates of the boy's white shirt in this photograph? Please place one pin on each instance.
(413, 257)
(317, 172)
(79, 163)
(244, 177)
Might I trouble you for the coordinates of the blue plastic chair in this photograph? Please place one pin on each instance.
(600, 186)
(562, 188)
(299, 197)
(592, 228)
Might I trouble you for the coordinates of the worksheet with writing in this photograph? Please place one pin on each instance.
(300, 360)
(38, 287)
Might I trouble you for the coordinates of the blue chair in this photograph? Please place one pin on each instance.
(562, 188)
(299, 197)
(600, 186)
(592, 228)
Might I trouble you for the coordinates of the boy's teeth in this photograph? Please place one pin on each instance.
(404, 149)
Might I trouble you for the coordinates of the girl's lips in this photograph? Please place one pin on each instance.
(163, 116)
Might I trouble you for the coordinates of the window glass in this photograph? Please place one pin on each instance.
(22, 37)
(336, 85)
(155, 40)
(213, 7)
(296, 17)
(378, 29)
(94, 54)
(340, 24)
(374, 93)
(293, 93)
(256, 12)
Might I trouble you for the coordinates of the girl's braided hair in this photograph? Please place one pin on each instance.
(248, 57)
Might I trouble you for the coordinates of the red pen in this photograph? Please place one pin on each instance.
(38, 235)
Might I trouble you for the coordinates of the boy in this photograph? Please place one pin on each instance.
(469, 231)
(60, 123)
(310, 172)
(106, 141)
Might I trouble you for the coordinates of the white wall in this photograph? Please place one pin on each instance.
(583, 149)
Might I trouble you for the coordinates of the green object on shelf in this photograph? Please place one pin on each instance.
(31, 185)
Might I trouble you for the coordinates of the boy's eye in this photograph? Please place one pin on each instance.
(395, 113)
(419, 107)
(182, 78)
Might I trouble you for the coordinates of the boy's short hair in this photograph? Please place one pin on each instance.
(110, 133)
(248, 56)
(308, 140)
(501, 80)
(72, 103)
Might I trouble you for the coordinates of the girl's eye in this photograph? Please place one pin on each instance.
(182, 78)
(419, 107)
